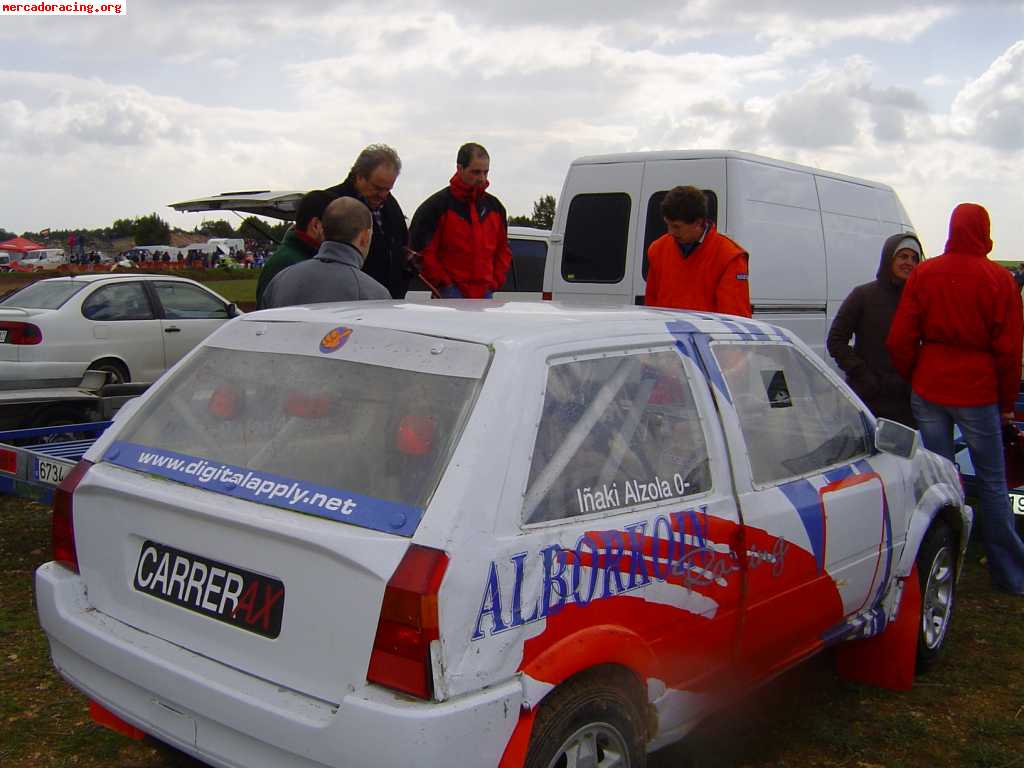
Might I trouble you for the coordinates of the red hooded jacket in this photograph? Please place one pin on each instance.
(462, 234)
(957, 333)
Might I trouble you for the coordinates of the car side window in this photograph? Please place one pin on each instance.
(119, 301)
(616, 431)
(529, 257)
(794, 419)
(182, 301)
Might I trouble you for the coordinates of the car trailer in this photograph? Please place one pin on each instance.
(34, 461)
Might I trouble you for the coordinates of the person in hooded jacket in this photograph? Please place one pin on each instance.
(865, 316)
(957, 336)
(461, 232)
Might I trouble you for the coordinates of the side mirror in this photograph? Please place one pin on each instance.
(897, 439)
(233, 310)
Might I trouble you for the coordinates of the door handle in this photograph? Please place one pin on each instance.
(172, 329)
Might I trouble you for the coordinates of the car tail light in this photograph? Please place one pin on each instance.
(546, 296)
(20, 333)
(408, 622)
(63, 529)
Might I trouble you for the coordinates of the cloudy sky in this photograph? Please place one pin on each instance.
(111, 117)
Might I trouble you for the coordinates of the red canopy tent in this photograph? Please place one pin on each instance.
(19, 245)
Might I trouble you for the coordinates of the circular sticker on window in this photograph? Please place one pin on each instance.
(335, 340)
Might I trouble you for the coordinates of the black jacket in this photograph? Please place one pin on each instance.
(865, 316)
(387, 262)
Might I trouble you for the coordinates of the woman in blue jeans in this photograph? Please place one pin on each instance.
(957, 338)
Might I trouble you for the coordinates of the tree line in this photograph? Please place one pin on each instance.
(153, 230)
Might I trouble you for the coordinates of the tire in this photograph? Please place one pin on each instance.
(590, 720)
(936, 571)
(118, 372)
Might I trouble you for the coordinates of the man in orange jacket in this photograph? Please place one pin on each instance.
(694, 266)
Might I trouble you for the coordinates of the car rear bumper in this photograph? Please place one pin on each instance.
(231, 719)
(20, 375)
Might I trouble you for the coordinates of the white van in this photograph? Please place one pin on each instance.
(812, 235)
(43, 258)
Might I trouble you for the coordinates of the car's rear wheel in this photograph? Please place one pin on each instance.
(936, 570)
(117, 373)
(591, 720)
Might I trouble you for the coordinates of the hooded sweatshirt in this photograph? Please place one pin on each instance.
(957, 334)
(462, 234)
(865, 317)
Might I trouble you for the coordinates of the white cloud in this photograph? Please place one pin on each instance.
(991, 109)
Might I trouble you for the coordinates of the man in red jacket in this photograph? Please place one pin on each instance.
(462, 232)
(957, 338)
(694, 266)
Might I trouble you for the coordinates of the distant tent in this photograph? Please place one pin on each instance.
(19, 245)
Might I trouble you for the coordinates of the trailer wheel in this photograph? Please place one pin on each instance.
(936, 570)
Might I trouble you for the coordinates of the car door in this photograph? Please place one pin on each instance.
(189, 314)
(628, 528)
(818, 507)
(122, 324)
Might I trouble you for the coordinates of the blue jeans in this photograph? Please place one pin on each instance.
(452, 292)
(983, 431)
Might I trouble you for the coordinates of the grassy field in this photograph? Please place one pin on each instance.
(238, 291)
(969, 712)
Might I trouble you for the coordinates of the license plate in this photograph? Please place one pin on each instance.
(3, 335)
(1017, 503)
(51, 472)
(247, 600)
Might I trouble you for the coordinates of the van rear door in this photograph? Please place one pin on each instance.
(659, 177)
(595, 234)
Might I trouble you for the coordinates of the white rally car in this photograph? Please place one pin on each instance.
(474, 533)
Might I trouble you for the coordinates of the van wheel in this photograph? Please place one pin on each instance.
(117, 373)
(936, 570)
(590, 721)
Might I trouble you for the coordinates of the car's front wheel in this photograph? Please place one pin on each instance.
(591, 720)
(936, 570)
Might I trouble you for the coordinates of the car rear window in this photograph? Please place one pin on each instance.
(44, 294)
(344, 439)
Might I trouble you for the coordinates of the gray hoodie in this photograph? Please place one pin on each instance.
(334, 274)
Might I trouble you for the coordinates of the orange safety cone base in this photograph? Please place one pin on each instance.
(887, 660)
(103, 716)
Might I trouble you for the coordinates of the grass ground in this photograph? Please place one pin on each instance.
(968, 712)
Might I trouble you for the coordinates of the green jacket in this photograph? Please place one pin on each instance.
(291, 251)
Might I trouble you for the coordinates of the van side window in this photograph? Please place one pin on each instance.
(795, 421)
(615, 432)
(655, 226)
(595, 238)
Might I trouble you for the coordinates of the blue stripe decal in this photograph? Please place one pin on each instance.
(736, 328)
(688, 339)
(839, 473)
(863, 467)
(268, 488)
(804, 497)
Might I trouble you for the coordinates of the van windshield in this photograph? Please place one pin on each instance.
(46, 294)
(347, 440)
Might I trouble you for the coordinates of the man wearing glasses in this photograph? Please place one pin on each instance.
(370, 180)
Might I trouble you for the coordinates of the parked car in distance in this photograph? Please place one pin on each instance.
(476, 533)
(43, 259)
(133, 326)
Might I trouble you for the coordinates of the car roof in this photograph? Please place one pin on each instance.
(94, 277)
(514, 322)
(529, 232)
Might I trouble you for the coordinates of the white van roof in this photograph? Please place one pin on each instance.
(709, 154)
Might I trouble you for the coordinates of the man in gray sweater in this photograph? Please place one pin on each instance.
(335, 272)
